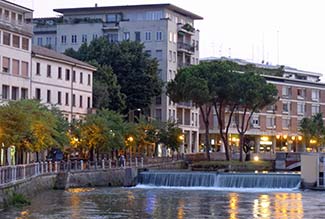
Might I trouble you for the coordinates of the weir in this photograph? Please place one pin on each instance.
(220, 180)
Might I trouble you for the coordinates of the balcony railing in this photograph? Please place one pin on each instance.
(185, 47)
(16, 25)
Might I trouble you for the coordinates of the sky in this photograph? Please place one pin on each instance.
(285, 32)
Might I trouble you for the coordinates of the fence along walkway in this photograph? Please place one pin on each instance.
(16, 173)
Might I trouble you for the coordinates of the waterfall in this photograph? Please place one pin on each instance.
(219, 180)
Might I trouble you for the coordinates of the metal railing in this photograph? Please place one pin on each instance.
(16, 173)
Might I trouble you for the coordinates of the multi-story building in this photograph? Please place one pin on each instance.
(28, 71)
(15, 51)
(61, 81)
(166, 31)
(276, 128)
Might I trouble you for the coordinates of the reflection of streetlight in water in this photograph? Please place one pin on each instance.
(233, 205)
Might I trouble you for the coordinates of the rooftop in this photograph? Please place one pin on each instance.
(16, 6)
(124, 7)
(42, 51)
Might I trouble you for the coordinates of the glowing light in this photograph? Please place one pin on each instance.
(278, 136)
(293, 138)
(285, 136)
(264, 138)
(299, 138)
(130, 139)
(256, 158)
(181, 137)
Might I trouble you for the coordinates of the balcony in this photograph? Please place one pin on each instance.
(16, 26)
(111, 26)
(187, 29)
(185, 47)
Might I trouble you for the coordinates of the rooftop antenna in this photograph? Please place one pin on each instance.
(96, 5)
(263, 60)
(229, 51)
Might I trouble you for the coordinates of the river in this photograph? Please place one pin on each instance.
(100, 203)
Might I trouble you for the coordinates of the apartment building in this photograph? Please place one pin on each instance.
(167, 32)
(276, 128)
(28, 71)
(61, 81)
(15, 51)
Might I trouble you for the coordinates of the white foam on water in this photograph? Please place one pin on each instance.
(225, 189)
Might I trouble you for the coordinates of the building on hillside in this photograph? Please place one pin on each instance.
(61, 81)
(16, 33)
(276, 128)
(167, 32)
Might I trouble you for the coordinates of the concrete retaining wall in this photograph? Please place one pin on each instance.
(28, 187)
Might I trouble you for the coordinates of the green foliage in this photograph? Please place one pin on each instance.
(135, 71)
(170, 136)
(31, 126)
(313, 129)
(18, 200)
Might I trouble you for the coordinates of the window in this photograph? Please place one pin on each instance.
(48, 41)
(14, 93)
(81, 79)
(270, 122)
(5, 64)
(286, 91)
(159, 36)
(89, 79)
(80, 101)
(74, 76)
(137, 36)
(88, 103)
(314, 109)
(285, 123)
(6, 15)
(175, 38)
(170, 74)
(48, 74)
(300, 108)
(13, 16)
(158, 100)
(59, 73)
(20, 19)
(153, 15)
(67, 75)
(286, 107)
(113, 18)
(197, 45)
(24, 93)
(159, 54)
(48, 96)
(84, 38)
(73, 100)
(63, 39)
(95, 36)
(25, 43)
(301, 93)
(174, 57)
(38, 94)
(59, 98)
(170, 55)
(15, 67)
(39, 41)
(38, 68)
(148, 52)
(112, 37)
(24, 69)
(158, 114)
(5, 92)
(148, 36)
(315, 95)
(15, 41)
(67, 99)
(6, 38)
(126, 36)
(74, 39)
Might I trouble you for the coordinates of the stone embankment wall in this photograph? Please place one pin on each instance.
(27, 187)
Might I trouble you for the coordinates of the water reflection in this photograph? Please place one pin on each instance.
(180, 211)
(288, 205)
(261, 207)
(233, 205)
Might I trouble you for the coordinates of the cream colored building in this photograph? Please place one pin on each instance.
(15, 51)
(61, 81)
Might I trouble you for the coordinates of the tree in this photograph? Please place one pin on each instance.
(135, 71)
(192, 84)
(253, 94)
(170, 136)
(313, 129)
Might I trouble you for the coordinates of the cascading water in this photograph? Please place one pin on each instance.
(219, 181)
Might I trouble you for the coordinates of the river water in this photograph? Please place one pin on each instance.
(100, 203)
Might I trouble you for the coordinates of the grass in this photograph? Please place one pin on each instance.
(233, 165)
(18, 200)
